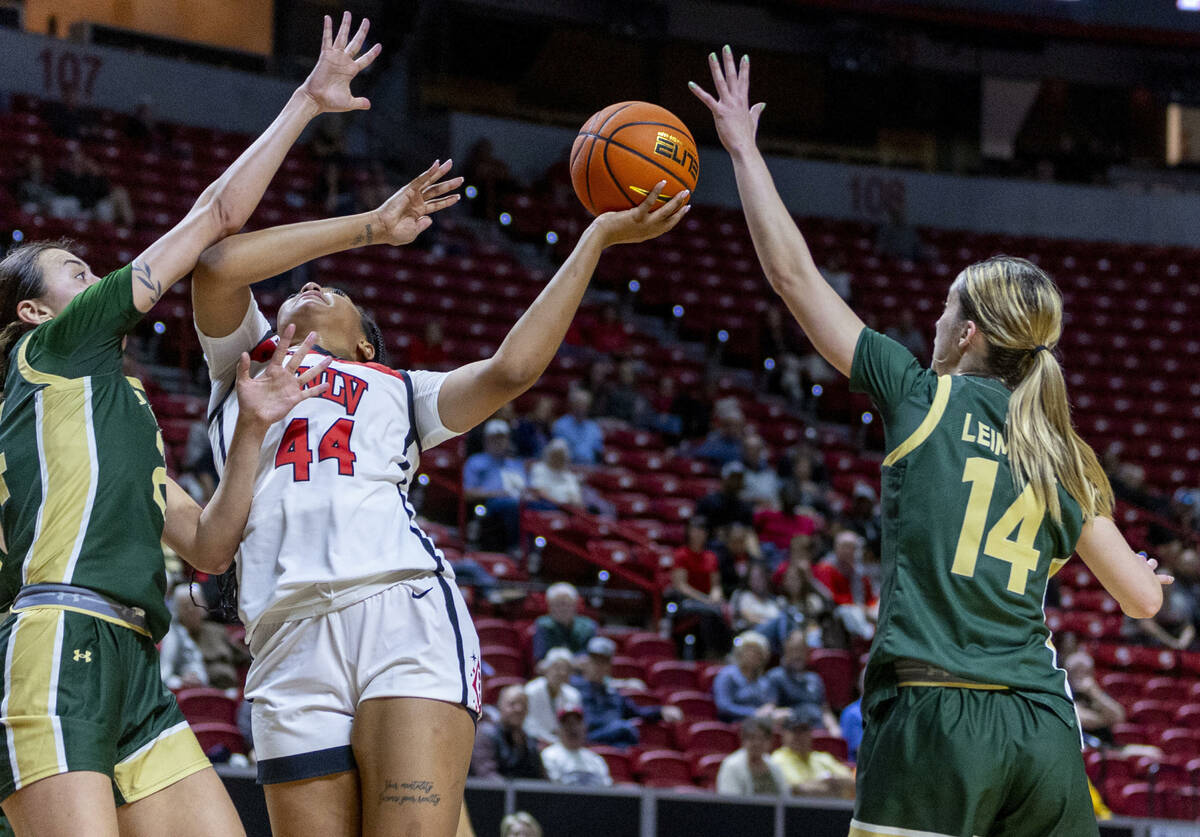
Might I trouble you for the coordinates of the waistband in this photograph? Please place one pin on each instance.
(81, 600)
(918, 673)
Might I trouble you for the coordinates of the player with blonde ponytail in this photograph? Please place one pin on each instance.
(969, 726)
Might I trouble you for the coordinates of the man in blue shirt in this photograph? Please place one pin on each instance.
(494, 480)
(608, 714)
(581, 433)
(793, 686)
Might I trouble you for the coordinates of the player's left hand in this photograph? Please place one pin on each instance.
(405, 215)
(736, 121)
(643, 222)
(280, 387)
(328, 85)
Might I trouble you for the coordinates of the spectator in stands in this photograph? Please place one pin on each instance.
(810, 772)
(725, 505)
(610, 715)
(149, 135)
(863, 516)
(741, 689)
(737, 547)
(520, 824)
(222, 658)
(748, 771)
(1098, 711)
(623, 400)
(81, 179)
(552, 479)
(35, 195)
(724, 443)
(608, 335)
(501, 747)
(752, 604)
(562, 626)
(66, 119)
(796, 688)
(180, 658)
(807, 479)
(906, 333)
(581, 432)
(799, 552)
(549, 694)
(804, 606)
(841, 573)
(779, 336)
(491, 178)
(535, 429)
(851, 720)
(663, 417)
(779, 526)
(428, 352)
(760, 486)
(695, 409)
(496, 481)
(568, 761)
(1173, 626)
(696, 589)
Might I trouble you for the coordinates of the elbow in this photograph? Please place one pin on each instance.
(1145, 604)
(223, 217)
(512, 376)
(213, 563)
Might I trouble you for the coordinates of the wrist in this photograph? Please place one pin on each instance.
(251, 426)
(310, 108)
(742, 152)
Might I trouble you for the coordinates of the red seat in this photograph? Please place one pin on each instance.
(672, 674)
(708, 737)
(705, 767)
(1107, 766)
(1169, 689)
(504, 660)
(1188, 715)
(696, 706)
(618, 763)
(838, 672)
(1182, 803)
(205, 705)
(497, 632)
(627, 668)
(494, 685)
(1180, 742)
(1133, 800)
(213, 735)
(1151, 712)
(663, 769)
(830, 743)
(654, 736)
(650, 647)
(1123, 686)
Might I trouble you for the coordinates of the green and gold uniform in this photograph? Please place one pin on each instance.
(969, 725)
(83, 486)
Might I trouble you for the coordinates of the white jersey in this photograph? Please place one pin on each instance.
(331, 523)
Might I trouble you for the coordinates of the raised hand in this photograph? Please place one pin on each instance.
(1163, 578)
(643, 222)
(737, 122)
(405, 215)
(328, 85)
(272, 395)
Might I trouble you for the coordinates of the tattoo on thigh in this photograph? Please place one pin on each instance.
(409, 793)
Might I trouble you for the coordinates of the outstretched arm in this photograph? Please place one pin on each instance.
(208, 538)
(1127, 576)
(829, 323)
(224, 207)
(225, 271)
(473, 392)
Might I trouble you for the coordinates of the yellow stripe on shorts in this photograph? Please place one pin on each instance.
(862, 829)
(35, 743)
(174, 754)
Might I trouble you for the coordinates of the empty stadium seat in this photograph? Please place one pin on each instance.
(663, 769)
(207, 705)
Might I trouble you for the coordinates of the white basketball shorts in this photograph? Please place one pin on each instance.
(413, 639)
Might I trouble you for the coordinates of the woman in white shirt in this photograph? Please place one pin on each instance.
(548, 694)
(552, 477)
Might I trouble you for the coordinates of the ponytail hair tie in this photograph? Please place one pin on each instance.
(1037, 349)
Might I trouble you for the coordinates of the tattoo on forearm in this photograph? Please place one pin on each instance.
(369, 236)
(365, 237)
(141, 272)
(406, 793)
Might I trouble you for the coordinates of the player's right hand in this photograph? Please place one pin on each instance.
(328, 85)
(405, 215)
(736, 121)
(282, 384)
(643, 222)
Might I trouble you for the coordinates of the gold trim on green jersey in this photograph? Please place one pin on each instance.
(950, 684)
(103, 617)
(33, 375)
(936, 410)
(31, 697)
(175, 753)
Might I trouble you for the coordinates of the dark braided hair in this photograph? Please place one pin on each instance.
(21, 278)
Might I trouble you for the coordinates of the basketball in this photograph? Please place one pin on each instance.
(623, 151)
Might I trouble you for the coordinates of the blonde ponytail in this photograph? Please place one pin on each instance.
(1018, 309)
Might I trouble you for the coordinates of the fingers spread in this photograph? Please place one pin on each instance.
(361, 35)
(313, 371)
(285, 340)
(439, 189)
(360, 103)
(730, 67)
(672, 206)
(298, 356)
(702, 94)
(243, 367)
(651, 200)
(368, 58)
(717, 76)
(441, 203)
(343, 31)
(313, 392)
(327, 34)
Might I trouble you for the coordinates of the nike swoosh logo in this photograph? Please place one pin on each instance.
(422, 593)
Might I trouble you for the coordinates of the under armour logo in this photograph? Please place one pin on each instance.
(85, 656)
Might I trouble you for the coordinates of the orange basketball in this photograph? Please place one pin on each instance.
(627, 148)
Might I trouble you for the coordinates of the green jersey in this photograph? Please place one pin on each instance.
(965, 556)
(82, 476)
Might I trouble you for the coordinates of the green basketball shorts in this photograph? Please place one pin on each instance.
(954, 762)
(81, 693)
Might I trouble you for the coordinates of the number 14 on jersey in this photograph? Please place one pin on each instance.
(1023, 519)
